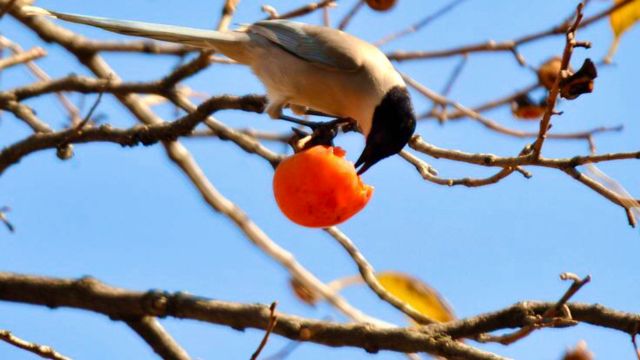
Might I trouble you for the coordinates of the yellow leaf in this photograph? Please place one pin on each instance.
(621, 20)
(416, 293)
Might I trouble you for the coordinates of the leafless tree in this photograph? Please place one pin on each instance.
(140, 310)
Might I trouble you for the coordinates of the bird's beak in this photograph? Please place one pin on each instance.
(364, 160)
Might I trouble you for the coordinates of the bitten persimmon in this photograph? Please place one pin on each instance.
(318, 187)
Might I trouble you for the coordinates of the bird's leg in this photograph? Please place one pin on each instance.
(318, 113)
(274, 108)
(298, 109)
(304, 110)
(320, 125)
(313, 125)
(323, 133)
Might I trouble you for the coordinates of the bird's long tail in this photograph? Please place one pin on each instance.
(230, 43)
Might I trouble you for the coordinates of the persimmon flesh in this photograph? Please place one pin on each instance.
(318, 187)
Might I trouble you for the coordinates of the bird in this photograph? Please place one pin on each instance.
(304, 67)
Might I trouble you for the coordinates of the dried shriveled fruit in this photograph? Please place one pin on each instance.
(525, 108)
(548, 72)
(318, 187)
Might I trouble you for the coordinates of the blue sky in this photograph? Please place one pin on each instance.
(131, 219)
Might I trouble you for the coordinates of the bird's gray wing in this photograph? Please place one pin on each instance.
(319, 45)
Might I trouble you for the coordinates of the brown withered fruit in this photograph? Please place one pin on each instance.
(525, 108)
(579, 83)
(548, 72)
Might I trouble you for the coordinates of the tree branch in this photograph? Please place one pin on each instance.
(158, 338)
(417, 143)
(43, 351)
(570, 43)
(368, 275)
(22, 57)
(145, 134)
(510, 46)
(90, 294)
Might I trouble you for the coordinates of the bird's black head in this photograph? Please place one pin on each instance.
(392, 126)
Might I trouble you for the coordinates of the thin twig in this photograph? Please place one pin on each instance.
(494, 126)
(510, 45)
(486, 159)
(22, 57)
(146, 135)
(632, 205)
(420, 24)
(5, 221)
(368, 274)
(352, 12)
(567, 165)
(492, 104)
(158, 338)
(555, 89)
(455, 74)
(422, 168)
(626, 203)
(303, 10)
(43, 351)
(26, 114)
(93, 108)
(326, 17)
(228, 9)
(39, 73)
(273, 319)
(548, 319)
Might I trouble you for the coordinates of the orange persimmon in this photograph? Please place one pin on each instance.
(381, 5)
(318, 187)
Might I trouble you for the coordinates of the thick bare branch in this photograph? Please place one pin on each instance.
(90, 294)
(146, 135)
